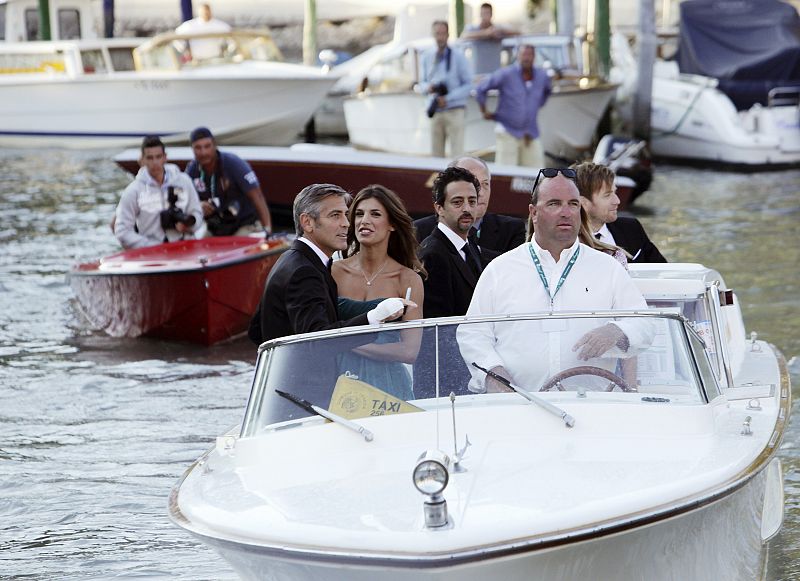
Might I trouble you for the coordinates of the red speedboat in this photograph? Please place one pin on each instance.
(201, 291)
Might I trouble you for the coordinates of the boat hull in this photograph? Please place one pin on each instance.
(396, 122)
(117, 110)
(718, 540)
(283, 172)
(201, 291)
(692, 121)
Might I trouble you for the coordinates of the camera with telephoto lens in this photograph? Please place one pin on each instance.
(173, 215)
(224, 221)
(439, 90)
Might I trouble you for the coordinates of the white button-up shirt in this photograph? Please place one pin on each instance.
(533, 350)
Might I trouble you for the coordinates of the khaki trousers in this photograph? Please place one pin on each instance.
(513, 151)
(448, 124)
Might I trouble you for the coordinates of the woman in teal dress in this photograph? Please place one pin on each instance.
(381, 262)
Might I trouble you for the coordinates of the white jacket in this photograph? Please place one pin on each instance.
(141, 205)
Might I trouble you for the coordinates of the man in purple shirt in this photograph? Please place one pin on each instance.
(523, 90)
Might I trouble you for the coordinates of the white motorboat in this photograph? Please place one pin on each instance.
(692, 120)
(658, 466)
(389, 116)
(106, 92)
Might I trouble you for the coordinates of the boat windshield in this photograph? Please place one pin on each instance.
(638, 358)
(172, 51)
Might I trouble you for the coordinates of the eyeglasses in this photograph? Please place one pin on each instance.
(551, 172)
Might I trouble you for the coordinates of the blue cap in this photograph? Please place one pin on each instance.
(200, 133)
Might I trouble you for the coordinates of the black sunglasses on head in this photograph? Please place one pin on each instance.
(551, 172)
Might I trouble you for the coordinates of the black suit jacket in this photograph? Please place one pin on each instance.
(450, 282)
(299, 297)
(499, 233)
(630, 235)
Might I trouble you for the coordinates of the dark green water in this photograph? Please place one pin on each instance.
(95, 431)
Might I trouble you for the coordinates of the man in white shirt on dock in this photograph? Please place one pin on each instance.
(554, 272)
(204, 23)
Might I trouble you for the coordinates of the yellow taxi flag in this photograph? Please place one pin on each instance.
(353, 399)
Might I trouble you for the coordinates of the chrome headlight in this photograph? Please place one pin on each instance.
(431, 473)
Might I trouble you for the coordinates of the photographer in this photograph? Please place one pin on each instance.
(230, 194)
(447, 78)
(160, 205)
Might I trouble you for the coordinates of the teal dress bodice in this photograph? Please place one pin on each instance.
(393, 377)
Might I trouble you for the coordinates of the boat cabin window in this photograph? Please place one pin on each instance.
(93, 61)
(69, 23)
(32, 24)
(556, 53)
(121, 59)
(2, 22)
(34, 62)
(357, 373)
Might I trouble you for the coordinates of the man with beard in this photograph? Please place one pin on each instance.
(232, 200)
(493, 232)
(600, 202)
(453, 263)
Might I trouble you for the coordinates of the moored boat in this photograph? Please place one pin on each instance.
(389, 116)
(112, 92)
(202, 291)
(664, 469)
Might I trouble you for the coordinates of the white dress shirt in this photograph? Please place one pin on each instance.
(530, 350)
(456, 240)
(605, 235)
(322, 256)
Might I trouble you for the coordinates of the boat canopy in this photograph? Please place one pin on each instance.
(751, 46)
(412, 366)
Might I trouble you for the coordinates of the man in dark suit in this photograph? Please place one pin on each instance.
(493, 231)
(600, 202)
(300, 294)
(453, 264)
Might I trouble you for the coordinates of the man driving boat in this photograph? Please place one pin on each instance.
(553, 272)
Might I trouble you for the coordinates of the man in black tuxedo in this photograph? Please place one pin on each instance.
(454, 265)
(600, 202)
(300, 294)
(494, 232)
(452, 262)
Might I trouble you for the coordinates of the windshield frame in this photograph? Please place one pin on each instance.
(266, 349)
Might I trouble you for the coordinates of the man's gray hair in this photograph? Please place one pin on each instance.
(457, 161)
(309, 201)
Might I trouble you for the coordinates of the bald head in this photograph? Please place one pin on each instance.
(480, 170)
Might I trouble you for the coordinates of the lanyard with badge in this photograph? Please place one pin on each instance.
(563, 274)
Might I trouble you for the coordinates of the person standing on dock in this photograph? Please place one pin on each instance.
(231, 196)
(160, 205)
(600, 201)
(447, 79)
(204, 23)
(523, 90)
(485, 37)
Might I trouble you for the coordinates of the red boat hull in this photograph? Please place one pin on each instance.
(283, 172)
(202, 291)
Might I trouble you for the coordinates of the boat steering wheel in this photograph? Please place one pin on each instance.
(555, 380)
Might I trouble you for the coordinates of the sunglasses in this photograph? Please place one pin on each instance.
(551, 172)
